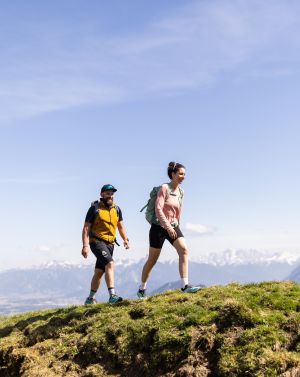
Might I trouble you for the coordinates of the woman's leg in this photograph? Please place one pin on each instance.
(150, 263)
(182, 251)
(181, 248)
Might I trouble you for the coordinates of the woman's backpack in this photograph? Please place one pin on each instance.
(150, 214)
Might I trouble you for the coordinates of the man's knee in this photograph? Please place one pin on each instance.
(98, 273)
(97, 277)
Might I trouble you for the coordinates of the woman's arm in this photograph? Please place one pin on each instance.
(159, 205)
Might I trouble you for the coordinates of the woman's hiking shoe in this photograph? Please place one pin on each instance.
(90, 301)
(113, 299)
(190, 289)
(141, 293)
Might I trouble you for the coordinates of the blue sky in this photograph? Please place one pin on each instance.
(110, 92)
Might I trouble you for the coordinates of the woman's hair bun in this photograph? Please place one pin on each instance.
(172, 164)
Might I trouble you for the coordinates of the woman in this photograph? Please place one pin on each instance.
(168, 210)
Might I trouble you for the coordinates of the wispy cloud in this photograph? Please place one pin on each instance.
(192, 47)
(42, 249)
(199, 229)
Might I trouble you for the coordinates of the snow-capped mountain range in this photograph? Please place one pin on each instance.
(227, 257)
(61, 283)
(247, 256)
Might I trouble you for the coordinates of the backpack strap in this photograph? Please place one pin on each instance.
(96, 205)
(168, 191)
(145, 206)
(118, 210)
(181, 193)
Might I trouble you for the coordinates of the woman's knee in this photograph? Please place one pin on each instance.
(183, 253)
(151, 262)
(110, 265)
(152, 259)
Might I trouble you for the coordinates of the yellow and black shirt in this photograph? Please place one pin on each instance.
(104, 221)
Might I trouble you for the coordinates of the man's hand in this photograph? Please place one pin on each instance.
(126, 244)
(85, 239)
(85, 251)
(172, 233)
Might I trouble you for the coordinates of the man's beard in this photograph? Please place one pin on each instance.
(107, 202)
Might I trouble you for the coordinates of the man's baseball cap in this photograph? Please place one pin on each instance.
(108, 188)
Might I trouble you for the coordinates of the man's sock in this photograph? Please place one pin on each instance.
(92, 293)
(143, 286)
(184, 282)
(111, 291)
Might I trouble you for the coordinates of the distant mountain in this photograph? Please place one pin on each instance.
(247, 256)
(58, 284)
(295, 275)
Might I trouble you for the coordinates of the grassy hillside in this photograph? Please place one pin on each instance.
(249, 330)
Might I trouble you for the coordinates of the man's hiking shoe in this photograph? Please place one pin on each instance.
(190, 289)
(90, 301)
(141, 293)
(113, 299)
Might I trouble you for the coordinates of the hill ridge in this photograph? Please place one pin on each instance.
(232, 330)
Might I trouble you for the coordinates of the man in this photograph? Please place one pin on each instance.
(99, 233)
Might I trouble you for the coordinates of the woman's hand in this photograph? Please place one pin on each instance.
(172, 233)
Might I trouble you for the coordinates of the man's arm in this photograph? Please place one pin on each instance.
(85, 239)
(123, 234)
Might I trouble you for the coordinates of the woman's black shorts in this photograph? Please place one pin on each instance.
(103, 252)
(158, 235)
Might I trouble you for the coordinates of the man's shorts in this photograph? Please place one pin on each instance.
(103, 252)
(158, 235)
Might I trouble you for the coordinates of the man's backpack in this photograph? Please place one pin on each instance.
(150, 214)
(96, 205)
